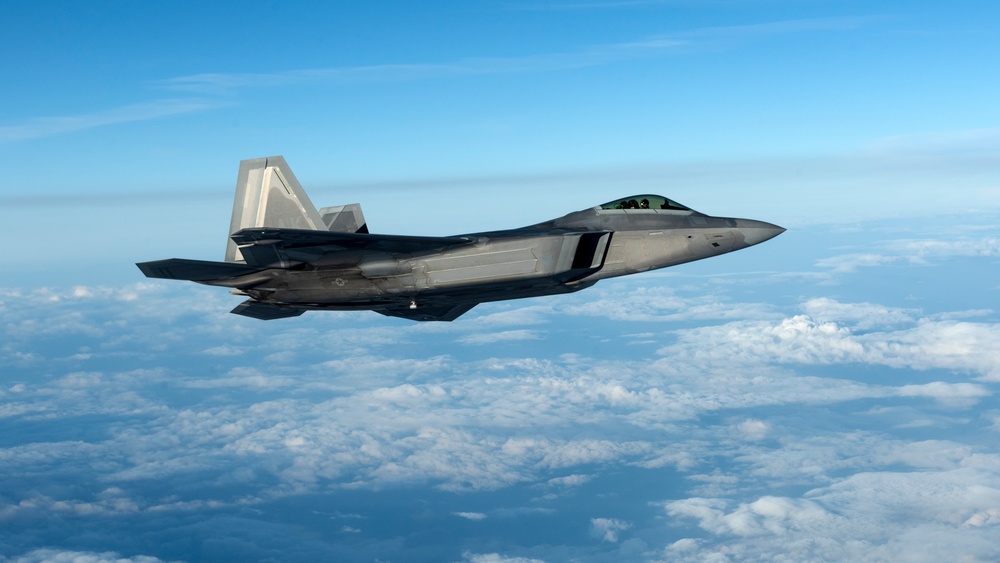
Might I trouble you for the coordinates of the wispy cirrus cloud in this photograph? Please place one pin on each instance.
(584, 57)
(218, 85)
(597, 55)
(57, 125)
(221, 84)
(803, 25)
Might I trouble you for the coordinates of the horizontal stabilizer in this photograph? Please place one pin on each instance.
(265, 311)
(297, 238)
(194, 270)
(439, 313)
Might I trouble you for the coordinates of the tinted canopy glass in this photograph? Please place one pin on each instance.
(646, 201)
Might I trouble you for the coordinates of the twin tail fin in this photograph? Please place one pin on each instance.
(269, 195)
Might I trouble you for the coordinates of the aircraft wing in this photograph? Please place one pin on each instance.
(438, 313)
(265, 311)
(302, 238)
(194, 270)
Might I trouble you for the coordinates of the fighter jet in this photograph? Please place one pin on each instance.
(288, 258)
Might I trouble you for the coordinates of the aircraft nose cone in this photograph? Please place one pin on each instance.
(756, 232)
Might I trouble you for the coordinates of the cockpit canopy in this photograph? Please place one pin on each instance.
(646, 201)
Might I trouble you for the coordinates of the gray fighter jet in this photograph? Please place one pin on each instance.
(289, 258)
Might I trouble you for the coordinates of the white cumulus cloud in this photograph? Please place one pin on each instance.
(608, 529)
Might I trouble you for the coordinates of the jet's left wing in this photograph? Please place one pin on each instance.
(194, 270)
(433, 313)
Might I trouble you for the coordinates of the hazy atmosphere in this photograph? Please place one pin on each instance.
(830, 395)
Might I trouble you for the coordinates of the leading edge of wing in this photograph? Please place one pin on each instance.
(292, 238)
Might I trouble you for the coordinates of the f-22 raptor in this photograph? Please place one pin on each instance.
(288, 258)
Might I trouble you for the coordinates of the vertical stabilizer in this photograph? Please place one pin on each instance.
(269, 195)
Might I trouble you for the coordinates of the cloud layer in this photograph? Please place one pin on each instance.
(145, 423)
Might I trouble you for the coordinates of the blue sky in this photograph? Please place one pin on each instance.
(829, 395)
(126, 110)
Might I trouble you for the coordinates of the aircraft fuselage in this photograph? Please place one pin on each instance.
(285, 269)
